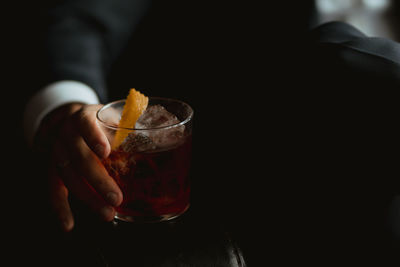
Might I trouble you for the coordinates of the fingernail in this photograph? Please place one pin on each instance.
(67, 225)
(107, 212)
(112, 198)
(99, 150)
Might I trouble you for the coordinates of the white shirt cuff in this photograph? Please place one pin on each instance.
(51, 97)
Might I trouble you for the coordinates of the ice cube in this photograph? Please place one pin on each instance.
(148, 136)
(167, 137)
(137, 142)
(155, 117)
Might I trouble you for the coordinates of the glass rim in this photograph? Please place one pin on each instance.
(116, 127)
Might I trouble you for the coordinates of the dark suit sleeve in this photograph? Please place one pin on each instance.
(84, 37)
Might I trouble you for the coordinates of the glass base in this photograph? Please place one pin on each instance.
(150, 219)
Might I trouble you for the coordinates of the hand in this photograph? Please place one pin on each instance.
(75, 145)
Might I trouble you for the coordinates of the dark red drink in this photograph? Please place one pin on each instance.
(155, 183)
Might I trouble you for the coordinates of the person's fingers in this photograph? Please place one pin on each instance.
(86, 194)
(75, 169)
(94, 172)
(58, 190)
(77, 184)
(59, 202)
(86, 124)
(82, 190)
(87, 164)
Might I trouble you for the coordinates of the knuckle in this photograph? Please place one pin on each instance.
(84, 119)
(80, 116)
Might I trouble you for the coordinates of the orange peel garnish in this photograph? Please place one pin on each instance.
(134, 106)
